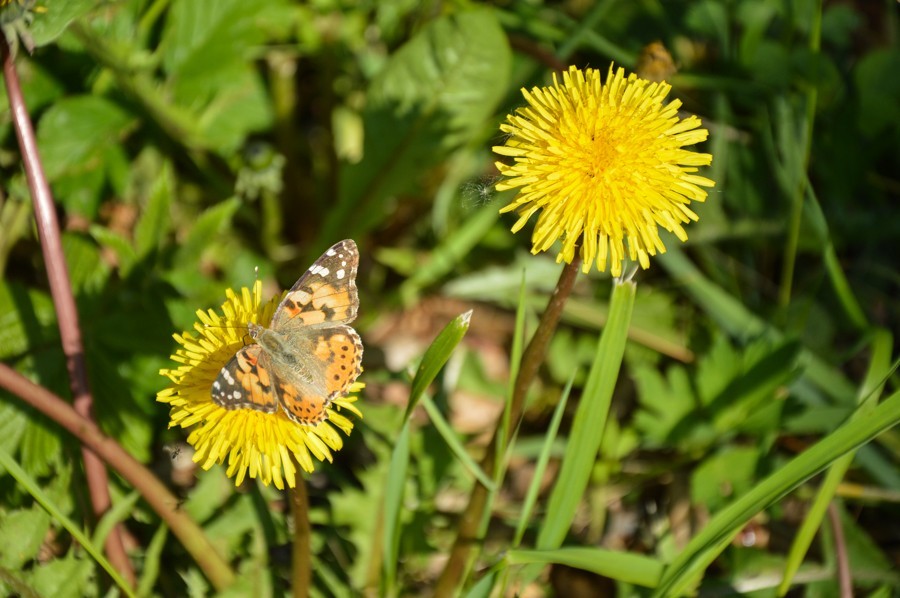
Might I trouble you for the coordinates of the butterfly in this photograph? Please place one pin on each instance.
(309, 355)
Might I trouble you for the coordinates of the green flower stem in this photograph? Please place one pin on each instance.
(63, 302)
(142, 479)
(301, 560)
(532, 358)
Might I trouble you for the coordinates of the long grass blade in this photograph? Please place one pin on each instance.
(42, 499)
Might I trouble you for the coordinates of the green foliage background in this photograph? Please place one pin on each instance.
(188, 142)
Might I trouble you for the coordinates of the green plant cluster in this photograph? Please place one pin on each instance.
(194, 145)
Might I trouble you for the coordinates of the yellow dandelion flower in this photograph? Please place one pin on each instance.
(253, 442)
(603, 163)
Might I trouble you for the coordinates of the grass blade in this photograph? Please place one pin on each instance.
(590, 419)
(627, 567)
(393, 502)
(435, 357)
(543, 459)
(712, 540)
(35, 491)
(449, 436)
(879, 369)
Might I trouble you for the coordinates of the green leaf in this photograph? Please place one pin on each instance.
(622, 566)
(74, 136)
(434, 94)
(449, 436)
(206, 42)
(718, 533)
(435, 358)
(870, 391)
(393, 504)
(50, 23)
(21, 535)
(72, 575)
(155, 219)
(541, 466)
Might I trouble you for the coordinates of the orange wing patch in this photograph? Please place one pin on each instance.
(244, 382)
(303, 409)
(319, 302)
(341, 349)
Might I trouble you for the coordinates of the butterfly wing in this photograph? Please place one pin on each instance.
(325, 294)
(247, 381)
(337, 353)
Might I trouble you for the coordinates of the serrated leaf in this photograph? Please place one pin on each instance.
(434, 94)
(51, 22)
(87, 272)
(154, 221)
(74, 131)
(208, 226)
(205, 42)
(21, 535)
(62, 577)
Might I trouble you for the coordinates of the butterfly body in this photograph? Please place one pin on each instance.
(309, 355)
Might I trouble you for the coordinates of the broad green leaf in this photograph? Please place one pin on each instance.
(21, 534)
(74, 130)
(433, 95)
(72, 571)
(155, 219)
(51, 22)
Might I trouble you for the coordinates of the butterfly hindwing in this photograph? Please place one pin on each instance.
(325, 294)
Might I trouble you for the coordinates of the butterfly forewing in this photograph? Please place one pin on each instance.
(246, 382)
(325, 294)
(309, 356)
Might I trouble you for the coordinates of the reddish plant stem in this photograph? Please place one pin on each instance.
(64, 302)
(301, 561)
(166, 504)
(532, 358)
(845, 579)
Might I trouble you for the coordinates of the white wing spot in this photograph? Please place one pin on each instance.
(340, 274)
(343, 263)
(330, 252)
(320, 270)
(235, 395)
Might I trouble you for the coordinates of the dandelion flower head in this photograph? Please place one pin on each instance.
(603, 164)
(263, 445)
